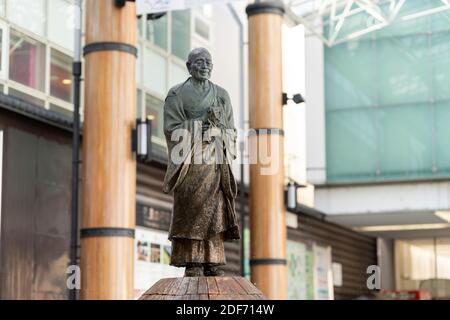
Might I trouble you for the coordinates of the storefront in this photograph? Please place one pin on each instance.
(423, 265)
(326, 261)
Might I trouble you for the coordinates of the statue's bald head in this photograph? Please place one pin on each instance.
(200, 64)
(196, 53)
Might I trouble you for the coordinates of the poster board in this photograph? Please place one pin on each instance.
(300, 261)
(152, 258)
(323, 273)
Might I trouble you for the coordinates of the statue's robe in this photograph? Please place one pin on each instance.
(203, 213)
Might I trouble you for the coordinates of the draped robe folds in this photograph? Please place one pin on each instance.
(203, 193)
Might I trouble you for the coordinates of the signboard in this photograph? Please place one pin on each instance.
(247, 271)
(300, 271)
(323, 283)
(309, 273)
(337, 274)
(296, 253)
(153, 6)
(152, 258)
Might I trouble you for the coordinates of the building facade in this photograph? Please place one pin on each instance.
(377, 140)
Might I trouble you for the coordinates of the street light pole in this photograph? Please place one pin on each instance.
(76, 71)
(242, 201)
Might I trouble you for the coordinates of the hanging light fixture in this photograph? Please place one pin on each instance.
(291, 196)
(142, 139)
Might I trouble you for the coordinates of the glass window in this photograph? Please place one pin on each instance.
(201, 28)
(440, 21)
(443, 258)
(28, 14)
(405, 141)
(420, 262)
(415, 262)
(61, 76)
(139, 65)
(442, 135)
(157, 31)
(154, 111)
(398, 77)
(181, 34)
(61, 23)
(178, 74)
(351, 145)
(26, 60)
(404, 70)
(346, 85)
(2, 36)
(26, 97)
(140, 112)
(155, 75)
(2, 7)
(140, 30)
(440, 58)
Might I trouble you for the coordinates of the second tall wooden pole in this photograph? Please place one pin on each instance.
(109, 168)
(267, 211)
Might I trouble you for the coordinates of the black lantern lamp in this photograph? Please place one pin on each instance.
(142, 139)
(291, 196)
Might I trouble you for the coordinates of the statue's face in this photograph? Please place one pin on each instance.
(200, 69)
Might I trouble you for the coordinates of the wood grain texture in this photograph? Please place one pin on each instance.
(266, 200)
(109, 167)
(204, 288)
(265, 71)
(102, 260)
(106, 22)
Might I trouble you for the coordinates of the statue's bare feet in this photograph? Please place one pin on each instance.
(212, 271)
(193, 270)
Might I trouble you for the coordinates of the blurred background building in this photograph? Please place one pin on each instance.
(368, 147)
(377, 134)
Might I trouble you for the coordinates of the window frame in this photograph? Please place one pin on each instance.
(47, 24)
(51, 97)
(204, 20)
(44, 95)
(25, 30)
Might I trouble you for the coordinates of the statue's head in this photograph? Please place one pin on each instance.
(200, 64)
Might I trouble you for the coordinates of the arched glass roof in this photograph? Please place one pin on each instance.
(337, 21)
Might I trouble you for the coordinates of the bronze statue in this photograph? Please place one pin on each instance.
(201, 140)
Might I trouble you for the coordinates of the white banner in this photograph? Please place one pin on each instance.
(152, 6)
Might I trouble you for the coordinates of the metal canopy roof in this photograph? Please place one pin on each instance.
(338, 21)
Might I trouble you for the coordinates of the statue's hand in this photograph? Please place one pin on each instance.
(214, 116)
(211, 133)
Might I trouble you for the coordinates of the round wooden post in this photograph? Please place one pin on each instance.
(109, 167)
(267, 211)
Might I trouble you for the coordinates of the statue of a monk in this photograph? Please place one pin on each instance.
(201, 140)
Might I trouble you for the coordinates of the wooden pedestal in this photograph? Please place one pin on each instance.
(203, 288)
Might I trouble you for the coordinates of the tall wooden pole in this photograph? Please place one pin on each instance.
(109, 168)
(267, 211)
